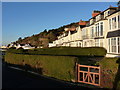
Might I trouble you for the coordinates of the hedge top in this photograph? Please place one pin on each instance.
(63, 51)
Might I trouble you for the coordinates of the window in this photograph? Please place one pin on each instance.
(98, 30)
(114, 45)
(114, 23)
(109, 45)
(101, 29)
(108, 12)
(118, 21)
(92, 31)
(85, 44)
(101, 43)
(119, 45)
(110, 24)
(97, 42)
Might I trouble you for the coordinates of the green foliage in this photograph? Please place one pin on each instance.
(12, 48)
(118, 86)
(60, 67)
(109, 63)
(51, 36)
(111, 69)
(19, 38)
(19, 50)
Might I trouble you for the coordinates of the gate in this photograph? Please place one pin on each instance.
(88, 74)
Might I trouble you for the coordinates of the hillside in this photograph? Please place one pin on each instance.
(45, 37)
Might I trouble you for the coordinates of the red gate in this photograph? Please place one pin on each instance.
(89, 74)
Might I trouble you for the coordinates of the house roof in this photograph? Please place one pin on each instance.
(81, 22)
(113, 8)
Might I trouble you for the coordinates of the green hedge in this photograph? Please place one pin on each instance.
(60, 67)
(110, 71)
(65, 51)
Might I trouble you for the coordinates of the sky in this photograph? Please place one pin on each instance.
(23, 19)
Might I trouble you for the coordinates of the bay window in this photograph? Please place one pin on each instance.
(114, 45)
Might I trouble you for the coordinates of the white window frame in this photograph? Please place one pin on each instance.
(114, 45)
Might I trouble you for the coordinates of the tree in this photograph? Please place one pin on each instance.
(51, 36)
(45, 31)
(19, 39)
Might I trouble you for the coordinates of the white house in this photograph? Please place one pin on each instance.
(24, 46)
(113, 35)
(102, 30)
(27, 46)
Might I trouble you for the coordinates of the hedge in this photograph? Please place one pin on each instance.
(110, 71)
(65, 51)
(60, 67)
(60, 62)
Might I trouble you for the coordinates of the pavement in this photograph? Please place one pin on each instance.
(16, 79)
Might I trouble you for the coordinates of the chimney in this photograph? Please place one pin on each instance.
(118, 5)
(81, 22)
(95, 13)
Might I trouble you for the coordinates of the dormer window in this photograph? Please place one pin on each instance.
(118, 5)
(106, 13)
(109, 11)
(92, 21)
(98, 17)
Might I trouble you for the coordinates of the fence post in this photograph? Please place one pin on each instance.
(78, 69)
(99, 76)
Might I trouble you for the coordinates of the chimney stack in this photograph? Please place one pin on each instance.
(95, 13)
(118, 5)
(81, 22)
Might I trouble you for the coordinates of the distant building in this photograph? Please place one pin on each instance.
(52, 45)
(3, 47)
(24, 46)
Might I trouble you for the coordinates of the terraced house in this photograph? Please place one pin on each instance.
(102, 30)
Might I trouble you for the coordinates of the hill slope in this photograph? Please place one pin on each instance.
(45, 37)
